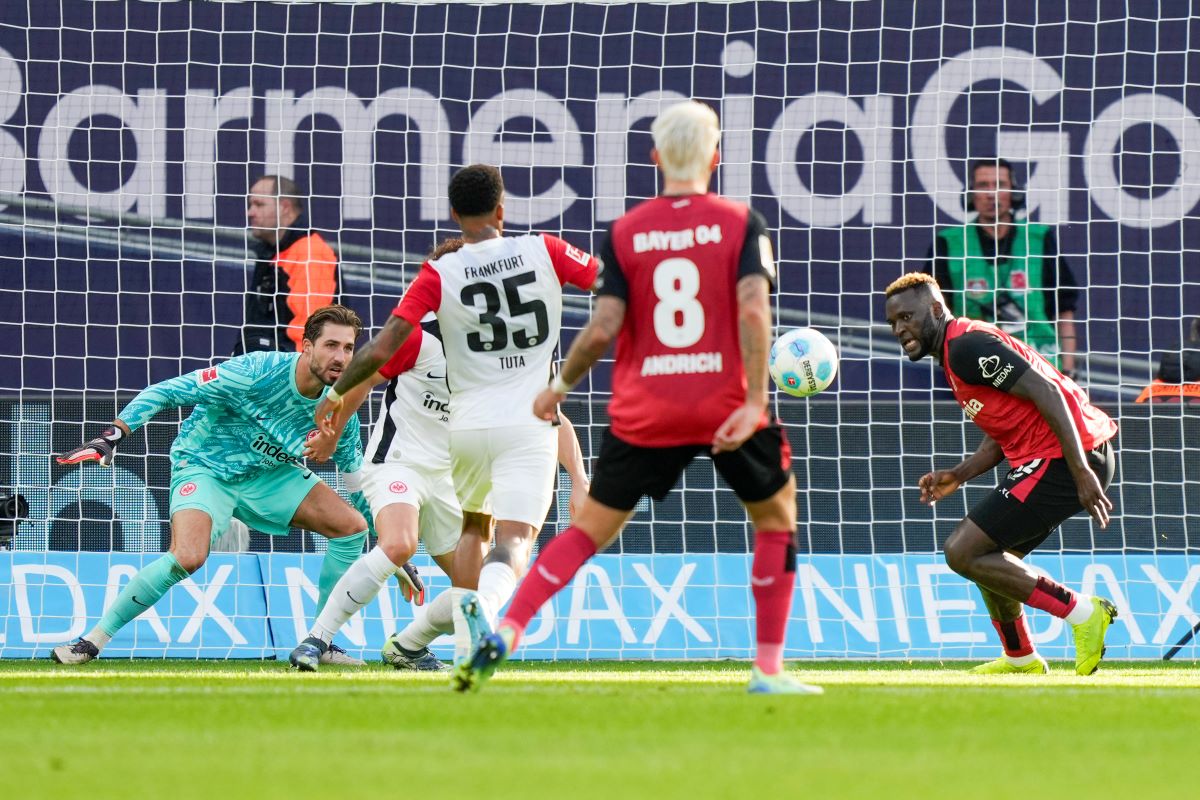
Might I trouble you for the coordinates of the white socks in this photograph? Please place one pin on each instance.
(353, 590)
(437, 619)
(497, 583)
(1020, 661)
(1082, 611)
(462, 639)
(98, 638)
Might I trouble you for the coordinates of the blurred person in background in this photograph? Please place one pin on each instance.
(296, 272)
(1005, 270)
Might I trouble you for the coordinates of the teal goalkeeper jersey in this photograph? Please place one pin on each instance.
(249, 417)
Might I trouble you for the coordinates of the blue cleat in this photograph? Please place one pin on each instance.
(477, 623)
(307, 654)
(490, 652)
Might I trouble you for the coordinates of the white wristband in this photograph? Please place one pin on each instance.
(559, 386)
(332, 395)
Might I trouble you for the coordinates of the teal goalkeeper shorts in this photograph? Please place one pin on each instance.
(266, 502)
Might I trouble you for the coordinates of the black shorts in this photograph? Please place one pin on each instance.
(625, 472)
(1036, 498)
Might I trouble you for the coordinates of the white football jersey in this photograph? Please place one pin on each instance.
(499, 306)
(413, 424)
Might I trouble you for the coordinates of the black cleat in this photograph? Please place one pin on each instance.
(419, 660)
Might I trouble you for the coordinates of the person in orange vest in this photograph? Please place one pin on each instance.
(1178, 377)
(296, 272)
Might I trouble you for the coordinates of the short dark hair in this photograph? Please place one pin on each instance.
(998, 163)
(285, 189)
(476, 190)
(314, 326)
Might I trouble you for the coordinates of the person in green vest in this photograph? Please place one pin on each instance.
(1006, 270)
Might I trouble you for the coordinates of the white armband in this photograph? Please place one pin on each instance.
(332, 395)
(559, 386)
(353, 480)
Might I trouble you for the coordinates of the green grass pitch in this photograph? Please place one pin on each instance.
(221, 730)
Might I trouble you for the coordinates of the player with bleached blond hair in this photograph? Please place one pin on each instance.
(685, 293)
(685, 141)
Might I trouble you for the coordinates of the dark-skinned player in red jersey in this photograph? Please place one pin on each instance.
(1060, 453)
(685, 292)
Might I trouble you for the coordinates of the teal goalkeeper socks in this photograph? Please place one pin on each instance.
(153, 581)
(338, 558)
(143, 591)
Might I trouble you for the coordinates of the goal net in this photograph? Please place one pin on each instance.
(130, 132)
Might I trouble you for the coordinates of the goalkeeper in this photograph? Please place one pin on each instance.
(239, 454)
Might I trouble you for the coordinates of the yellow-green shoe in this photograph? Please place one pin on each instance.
(779, 683)
(1089, 636)
(1002, 666)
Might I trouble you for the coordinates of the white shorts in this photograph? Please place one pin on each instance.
(506, 472)
(430, 492)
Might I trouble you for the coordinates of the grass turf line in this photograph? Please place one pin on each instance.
(632, 729)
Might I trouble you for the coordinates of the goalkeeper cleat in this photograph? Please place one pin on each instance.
(1089, 636)
(1002, 666)
(411, 585)
(307, 654)
(336, 656)
(99, 449)
(416, 660)
(490, 652)
(80, 651)
(779, 683)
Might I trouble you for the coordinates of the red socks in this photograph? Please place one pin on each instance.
(772, 579)
(1014, 636)
(553, 570)
(1053, 598)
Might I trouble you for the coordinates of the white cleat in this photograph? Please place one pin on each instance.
(336, 656)
(80, 651)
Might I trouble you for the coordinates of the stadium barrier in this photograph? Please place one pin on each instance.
(629, 607)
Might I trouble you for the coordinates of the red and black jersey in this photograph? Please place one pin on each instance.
(676, 261)
(982, 363)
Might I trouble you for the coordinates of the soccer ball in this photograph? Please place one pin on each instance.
(803, 362)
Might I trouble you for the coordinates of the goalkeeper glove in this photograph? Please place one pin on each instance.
(99, 449)
(411, 585)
